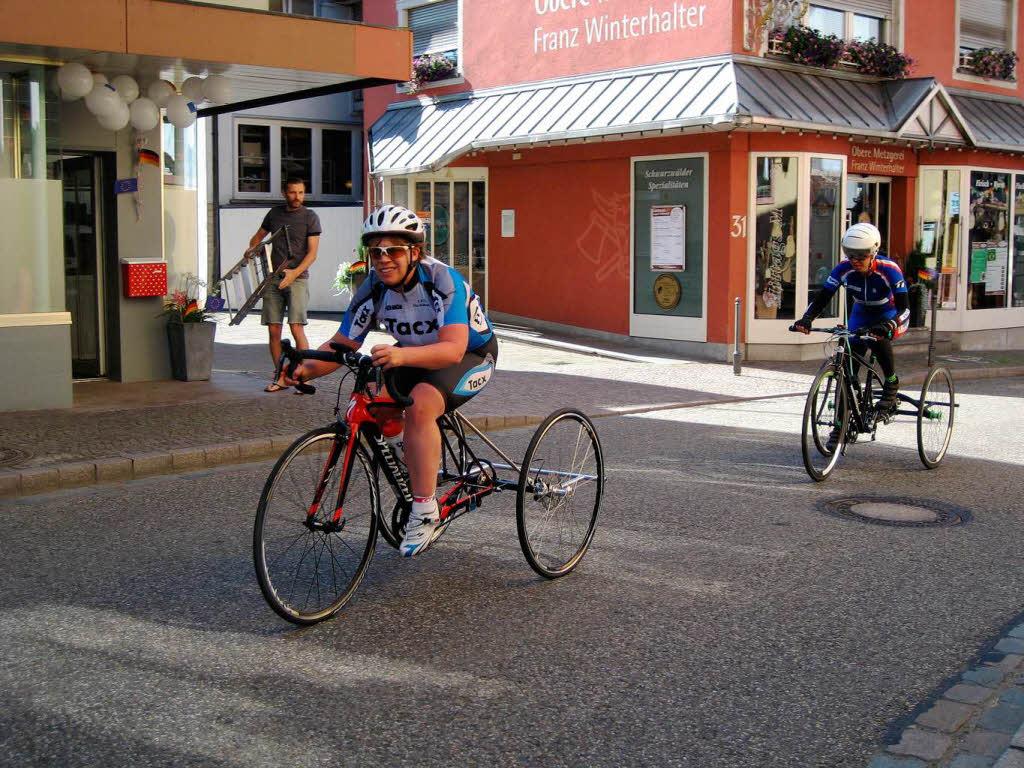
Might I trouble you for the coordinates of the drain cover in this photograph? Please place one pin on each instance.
(12, 457)
(901, 512)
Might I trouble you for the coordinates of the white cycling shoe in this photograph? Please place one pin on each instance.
(420, 529)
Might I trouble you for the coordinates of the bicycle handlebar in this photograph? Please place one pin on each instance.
(339, 355)
(841, 330)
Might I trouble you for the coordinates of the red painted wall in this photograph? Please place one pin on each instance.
(517, 41)
(569, 260)
(930, 37)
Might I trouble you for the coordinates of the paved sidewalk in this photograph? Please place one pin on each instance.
(973, 721)
(118, 431)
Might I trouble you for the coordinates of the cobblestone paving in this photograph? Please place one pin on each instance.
(976, 721)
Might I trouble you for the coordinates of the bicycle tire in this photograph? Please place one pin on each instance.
(935, 413)
(307, 567)
(826, 401)
(553, 537)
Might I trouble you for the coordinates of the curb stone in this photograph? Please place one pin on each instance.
(976, 722)
(38, 480)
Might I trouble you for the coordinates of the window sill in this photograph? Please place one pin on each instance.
(966, 75)
(405, 88)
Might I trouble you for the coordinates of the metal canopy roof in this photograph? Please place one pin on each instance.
(996, 123)
(720, 92)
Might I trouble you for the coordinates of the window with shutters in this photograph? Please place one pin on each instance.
(985, 24)
(436, 30)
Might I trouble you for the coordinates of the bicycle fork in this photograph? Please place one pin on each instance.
(334, 522)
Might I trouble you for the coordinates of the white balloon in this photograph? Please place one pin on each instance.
(192, 89)
(181, 111)
(144, 114)
(126, 88)
(98, 78)
(115, 120)
(75, 81)
(159, 92)
(217, 88)
(102, 100)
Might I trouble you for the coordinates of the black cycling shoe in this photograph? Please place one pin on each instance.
(889, 400)
(833, 440)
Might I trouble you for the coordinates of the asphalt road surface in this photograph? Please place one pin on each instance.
(720, 619)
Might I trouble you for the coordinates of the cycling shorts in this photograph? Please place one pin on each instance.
(457, 383)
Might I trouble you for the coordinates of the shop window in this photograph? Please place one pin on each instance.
(940, 230)
(988, 240)
(825, 221)
(1018, 243)
(434, 26)
(326, 157)
(985, 24)
(777, 187)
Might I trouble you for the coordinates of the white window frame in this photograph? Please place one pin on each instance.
(314, 194)
(403, 7)
(776, 331)
(1011, 40)
(286, 6)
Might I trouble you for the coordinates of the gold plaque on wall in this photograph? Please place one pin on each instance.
(667, 291)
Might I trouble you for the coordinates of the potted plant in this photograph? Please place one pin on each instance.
(429, 68)
(879, 59)
(993, 63)
(804, 45)
(919, 284)
(351, 274)
(190, 333)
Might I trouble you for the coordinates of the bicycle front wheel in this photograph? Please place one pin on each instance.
(935, 417)
(825, 410)
(308, 563)
(559, 493)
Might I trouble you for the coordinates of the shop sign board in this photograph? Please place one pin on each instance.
(882, 160)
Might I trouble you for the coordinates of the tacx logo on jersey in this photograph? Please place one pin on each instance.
(404, 328)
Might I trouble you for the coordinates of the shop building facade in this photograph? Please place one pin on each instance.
(630, 168)
(77, 200)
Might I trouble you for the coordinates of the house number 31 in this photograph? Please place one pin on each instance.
(739, 226)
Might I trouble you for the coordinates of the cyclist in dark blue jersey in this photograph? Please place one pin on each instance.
(445, 354)
(882, 305)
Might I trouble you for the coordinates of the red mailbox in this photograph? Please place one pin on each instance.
(144, 277)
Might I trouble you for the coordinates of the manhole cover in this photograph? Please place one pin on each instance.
(12, 457)
(905, 512)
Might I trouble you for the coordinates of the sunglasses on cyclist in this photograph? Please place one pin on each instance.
(391, 251)
(857, 254)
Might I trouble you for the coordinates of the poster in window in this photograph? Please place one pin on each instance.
(668, 238)
(928, 237)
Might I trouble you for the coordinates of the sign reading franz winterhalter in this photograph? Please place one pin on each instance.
(882, 160)
(603, 24)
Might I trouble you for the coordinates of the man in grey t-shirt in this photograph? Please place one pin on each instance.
(290, 286)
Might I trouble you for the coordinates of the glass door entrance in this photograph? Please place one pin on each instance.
(867, 200)
(455, 214)
(82, 265)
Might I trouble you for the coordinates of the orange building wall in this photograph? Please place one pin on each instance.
(569, 261)
(930, 40)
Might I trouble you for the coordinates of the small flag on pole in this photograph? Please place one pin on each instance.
(149, 156)
(926, 273)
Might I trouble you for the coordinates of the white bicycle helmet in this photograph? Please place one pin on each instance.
(862, 239)
(393, 221)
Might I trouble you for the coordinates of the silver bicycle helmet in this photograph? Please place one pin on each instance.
(393, 221)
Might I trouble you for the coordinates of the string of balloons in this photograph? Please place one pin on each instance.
(117, 102)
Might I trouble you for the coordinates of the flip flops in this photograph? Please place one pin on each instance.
(274, 387)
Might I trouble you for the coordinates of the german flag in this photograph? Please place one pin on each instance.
(149, 156)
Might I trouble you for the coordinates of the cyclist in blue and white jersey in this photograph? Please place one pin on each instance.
(882, 304)
(445, 354)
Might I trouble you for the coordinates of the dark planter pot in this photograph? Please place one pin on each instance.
(191, 346)
(357, 280)
(918, 304)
